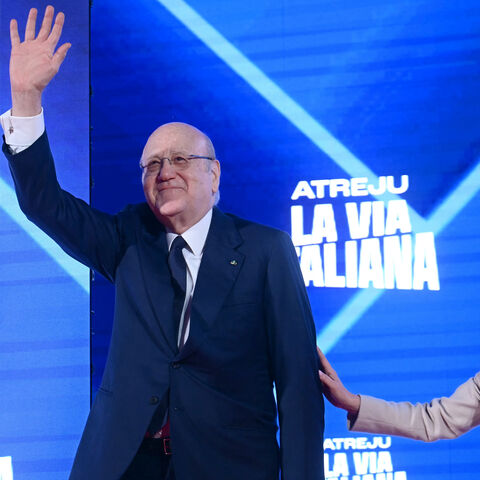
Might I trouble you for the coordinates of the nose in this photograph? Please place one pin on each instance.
(167, 172)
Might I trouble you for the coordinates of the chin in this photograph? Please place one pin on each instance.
(170, 208)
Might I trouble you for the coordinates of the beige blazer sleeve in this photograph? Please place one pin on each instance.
(446, 417)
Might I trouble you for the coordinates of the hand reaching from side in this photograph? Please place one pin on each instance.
(334, 389)
(35, 61)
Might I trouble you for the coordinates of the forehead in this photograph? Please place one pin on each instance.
(166, 140)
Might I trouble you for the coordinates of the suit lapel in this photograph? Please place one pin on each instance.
(220, 265)
(156, 274)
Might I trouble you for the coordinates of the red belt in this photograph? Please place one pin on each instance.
(162, 436)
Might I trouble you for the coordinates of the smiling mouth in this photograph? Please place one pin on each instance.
(169, 187)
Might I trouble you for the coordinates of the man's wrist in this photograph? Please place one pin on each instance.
(26, 103)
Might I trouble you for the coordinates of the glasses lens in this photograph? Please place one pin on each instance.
(152, 168)
(180, 163)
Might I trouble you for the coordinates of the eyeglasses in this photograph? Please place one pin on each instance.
(178, 162)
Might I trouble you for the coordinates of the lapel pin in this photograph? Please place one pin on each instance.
(233, 262)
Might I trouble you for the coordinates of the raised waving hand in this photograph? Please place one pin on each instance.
(35, 61)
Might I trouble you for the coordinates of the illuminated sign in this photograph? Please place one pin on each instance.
(360, 458)
(6, 470)
(379, 250)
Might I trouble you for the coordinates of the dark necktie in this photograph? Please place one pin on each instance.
(178, 270)
(159, 425)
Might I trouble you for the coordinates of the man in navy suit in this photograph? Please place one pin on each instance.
(211, 309)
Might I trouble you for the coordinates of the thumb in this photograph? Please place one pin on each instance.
(60, 54)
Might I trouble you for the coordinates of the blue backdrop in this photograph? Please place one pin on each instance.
(305, 91)
(308, 103)
(44, 295)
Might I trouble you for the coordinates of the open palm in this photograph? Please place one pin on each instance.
(34, 62)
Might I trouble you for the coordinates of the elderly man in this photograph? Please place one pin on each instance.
(210, 309)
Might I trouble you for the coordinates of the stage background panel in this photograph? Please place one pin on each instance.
(320, 111)
(44, 295)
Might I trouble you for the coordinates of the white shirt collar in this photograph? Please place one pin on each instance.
(195, 236)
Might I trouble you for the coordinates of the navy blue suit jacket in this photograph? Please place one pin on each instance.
(251, 326)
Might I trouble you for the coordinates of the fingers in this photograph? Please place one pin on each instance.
(46, 24)
(324, 363)
(30, 28)
(46, 31)
(14, 37)
(54, 36)
(326, 380)
(60, 55)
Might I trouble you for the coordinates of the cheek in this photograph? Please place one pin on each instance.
(201, 187)
(148, 190)
(198, 191)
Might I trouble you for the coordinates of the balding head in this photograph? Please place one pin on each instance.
(180, 194)
(182, 134)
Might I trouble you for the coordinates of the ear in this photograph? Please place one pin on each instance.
(215, 175)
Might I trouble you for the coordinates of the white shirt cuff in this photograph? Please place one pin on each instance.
(21, 132)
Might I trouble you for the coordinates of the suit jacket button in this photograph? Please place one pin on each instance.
(154, 400)
(176, 365)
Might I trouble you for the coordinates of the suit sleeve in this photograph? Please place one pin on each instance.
(442, 418)
(90, 236)
(295, 365)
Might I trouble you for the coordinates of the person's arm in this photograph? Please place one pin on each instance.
(442, 418)
(92, 237)
(88, 235)
(292, 341)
